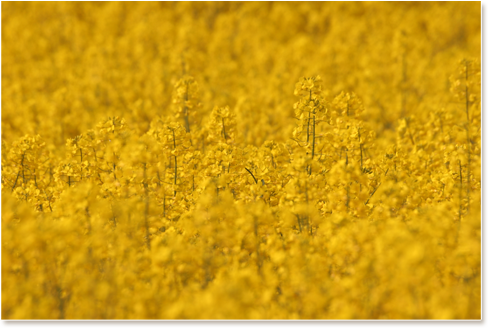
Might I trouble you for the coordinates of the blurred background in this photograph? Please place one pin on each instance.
(67, 66)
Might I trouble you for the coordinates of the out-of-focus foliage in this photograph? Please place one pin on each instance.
(241, 160)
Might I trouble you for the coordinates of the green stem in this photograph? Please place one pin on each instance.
(467, 133)
(15, 183)
(146, 208)
(467, 91)
(223, 129)
(460, 190)
(258, 254)
(360, 148)
(81, 162)
(176, 161)
(366, 203)
(185, 108)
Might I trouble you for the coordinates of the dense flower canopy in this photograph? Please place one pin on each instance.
(252, 160)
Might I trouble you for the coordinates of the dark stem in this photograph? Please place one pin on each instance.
(255, 180)
(258, 255)
(223, 129)
(467, 132)
(115, 176)
(146, 208)
(176, 161)
(81, 162)
(176, 172)
(15, 183)
(460, 190)
(404, 77)
(187, 121)
(308, 121)
(360, 148)
(164, 206)
(467, 91)
(313, 136)
(308, 127)
(113, 216)
(409, 132)
(23, 172)
(366, 203)
(468, 168)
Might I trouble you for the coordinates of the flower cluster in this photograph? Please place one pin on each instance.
(170, 171)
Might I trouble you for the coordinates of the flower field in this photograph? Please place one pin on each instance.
(241, 160)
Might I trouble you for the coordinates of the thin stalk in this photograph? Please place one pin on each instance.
(23, 170)
(88, 216)
(467, 91)
(404, 78)
(223, 129)
(185, 108)
(176, 161)
(146, 208)
(307, 222)
(409, 132)
(308, 120)
(59, 294)
(468, 168)
(467, 132)
(299, 223)
(306, 192)
(114, 221)
(255, 180)
(164, 206)
(258, 254)
(81, 162)
(115, 177)
(311, 227)
(176, 172)
(207, 263)
(360, 148)
(308, 127)
(48, 200)
(159, 178)
(366, 203)
(15, 183)
(313, 135)
(460, 190)
(113, 123)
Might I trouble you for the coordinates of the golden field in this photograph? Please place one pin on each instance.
(252, 160)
